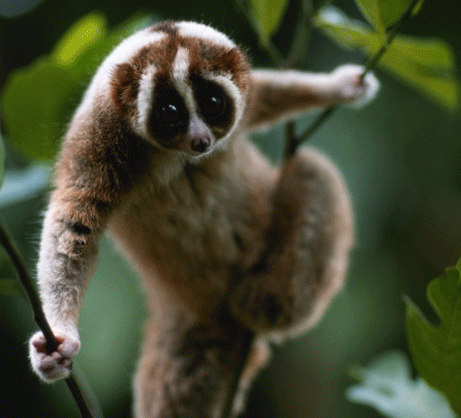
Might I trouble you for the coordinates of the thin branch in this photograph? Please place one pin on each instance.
(246, 341)
(390, 37)
(26, 279)
(290, 140)
(319, 121)
(369, 66)
(298, 46)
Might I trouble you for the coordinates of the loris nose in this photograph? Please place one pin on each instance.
(199, 136)
(200, 143)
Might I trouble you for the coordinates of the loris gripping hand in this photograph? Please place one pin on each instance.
(157, 154)
(51, 366)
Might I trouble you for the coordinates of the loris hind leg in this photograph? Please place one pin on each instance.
(308, 243)
(187, 366)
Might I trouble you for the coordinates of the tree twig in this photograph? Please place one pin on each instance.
(298, 46)
(369, 66)
(82, 399)
(246, 338)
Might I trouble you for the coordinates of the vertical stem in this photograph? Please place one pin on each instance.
(299, 44)
(39, 317)
(246, 338)
(290, 140)
(318, 122)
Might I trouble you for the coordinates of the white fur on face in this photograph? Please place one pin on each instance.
(144, 101)
(180, 76)
(122, 53)
(198, 30)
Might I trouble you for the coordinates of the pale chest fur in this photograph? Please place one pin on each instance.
(196, 232)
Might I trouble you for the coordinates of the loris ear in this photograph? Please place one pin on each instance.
(125, 86)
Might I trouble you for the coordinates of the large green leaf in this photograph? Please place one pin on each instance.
(436, 349)
(2, 158)
(383, 13)
(435, 81)
(268, 16)
(427, 65)
(87, 31)
(346, 32)
(10, 287)
(36, 106)
(386, 385)
(37, 101)
(83, 57)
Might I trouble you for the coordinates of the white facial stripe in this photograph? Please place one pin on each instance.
(181, 64)
(198, 30)
(144, 101)
(180, 75)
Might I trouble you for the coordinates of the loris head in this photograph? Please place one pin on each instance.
(182, 86)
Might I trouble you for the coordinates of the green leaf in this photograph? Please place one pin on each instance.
(386, 385)
(88, 59)
(436, 349)
(384, 13)
(85, 32)
(268, 16)
(346, 32)
(10, 287)
(427, 65)
(37, 101)
(2, 159)
(36, 107)
(424, 70)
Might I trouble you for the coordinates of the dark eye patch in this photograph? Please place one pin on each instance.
(169, 116)
(214, 104)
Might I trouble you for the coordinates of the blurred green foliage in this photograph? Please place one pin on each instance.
(382, 14)
(401, 157)
(47, 89)
(436, 350)
(425, 64)
(268, 15)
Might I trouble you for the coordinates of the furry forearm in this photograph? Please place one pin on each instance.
(67, 253)
(275, 96)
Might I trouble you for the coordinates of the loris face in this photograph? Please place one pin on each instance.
(184, 87)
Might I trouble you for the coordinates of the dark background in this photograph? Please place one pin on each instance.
(401, 157)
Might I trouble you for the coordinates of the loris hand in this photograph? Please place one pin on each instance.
(351, 88)
(51, 366)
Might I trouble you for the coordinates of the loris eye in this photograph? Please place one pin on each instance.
(170, 115)
(213, 102)
(213, 105)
